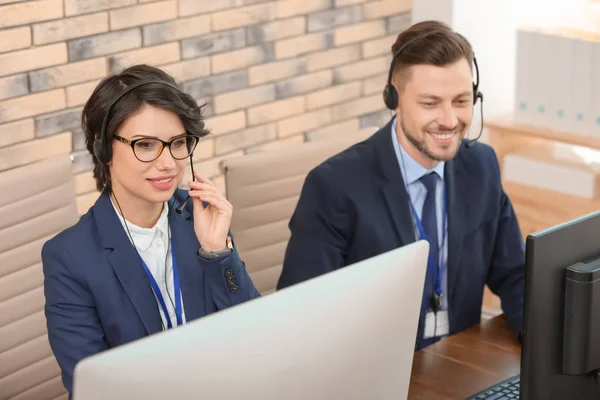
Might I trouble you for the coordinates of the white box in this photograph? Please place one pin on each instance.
(559, 167)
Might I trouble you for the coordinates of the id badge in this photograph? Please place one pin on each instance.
(436, 324)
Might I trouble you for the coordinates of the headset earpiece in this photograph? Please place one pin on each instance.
(476, 93)
(390, 97)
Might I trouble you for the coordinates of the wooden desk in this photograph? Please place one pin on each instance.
(465, 363)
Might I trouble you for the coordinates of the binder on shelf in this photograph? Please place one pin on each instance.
(595, 84)
(558, 79)
(542, 59)
(524, 76)
(561, 77)
(581, 103)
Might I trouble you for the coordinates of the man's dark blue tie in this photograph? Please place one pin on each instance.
(429, 221)
(429, 217)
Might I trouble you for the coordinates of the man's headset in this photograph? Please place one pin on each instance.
(390, 94)
(103, 147)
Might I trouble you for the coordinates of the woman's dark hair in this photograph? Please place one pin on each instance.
(157, 95)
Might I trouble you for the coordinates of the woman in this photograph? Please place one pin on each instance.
(145, 257)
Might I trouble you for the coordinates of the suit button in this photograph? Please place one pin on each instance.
(228, 272)
(233, 288)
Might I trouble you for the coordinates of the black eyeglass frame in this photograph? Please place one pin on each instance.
(163, 143)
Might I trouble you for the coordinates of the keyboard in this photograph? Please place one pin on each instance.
(505, 390)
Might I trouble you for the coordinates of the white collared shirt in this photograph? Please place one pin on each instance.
(152, 244)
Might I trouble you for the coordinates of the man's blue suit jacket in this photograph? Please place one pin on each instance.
(99, 297)
(355, 206)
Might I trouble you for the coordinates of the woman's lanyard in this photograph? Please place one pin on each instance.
(159, 295)
(435, 266)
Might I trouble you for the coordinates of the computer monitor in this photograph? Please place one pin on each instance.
(549, 253)
(349, 334)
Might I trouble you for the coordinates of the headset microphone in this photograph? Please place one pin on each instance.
(472, 141)
(180, 207)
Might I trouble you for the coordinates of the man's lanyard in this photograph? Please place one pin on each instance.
(159, 295)
(435, 266)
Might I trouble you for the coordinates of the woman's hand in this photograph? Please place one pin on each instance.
(211, 223)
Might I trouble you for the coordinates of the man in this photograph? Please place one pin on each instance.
(417, 178)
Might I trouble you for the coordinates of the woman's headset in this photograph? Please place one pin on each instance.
(102, 146)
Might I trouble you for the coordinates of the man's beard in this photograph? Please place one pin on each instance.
(422, 146)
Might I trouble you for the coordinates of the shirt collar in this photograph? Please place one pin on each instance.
(143, 237)
(410, 169)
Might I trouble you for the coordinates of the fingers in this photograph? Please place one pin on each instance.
(215, 200)
(204, 184)
(198, 203)
(202, 179)
(201, 186)
(205, 190)
(202, 190)
(201, 183)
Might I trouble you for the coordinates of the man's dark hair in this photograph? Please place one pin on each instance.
(432, 43)
(161, 96)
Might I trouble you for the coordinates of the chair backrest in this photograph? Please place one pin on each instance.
(36, 202)
(264, 189)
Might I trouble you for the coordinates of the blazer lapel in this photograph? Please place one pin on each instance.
(126, 264)
(456, 196)
(185, 246)
(393, 188)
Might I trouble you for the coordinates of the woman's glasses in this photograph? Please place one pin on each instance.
(149, 149)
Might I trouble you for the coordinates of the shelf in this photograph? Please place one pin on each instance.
(509, 125)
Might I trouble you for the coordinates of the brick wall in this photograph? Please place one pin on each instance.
(274, 73)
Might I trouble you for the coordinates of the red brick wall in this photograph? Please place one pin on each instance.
(274, 73)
